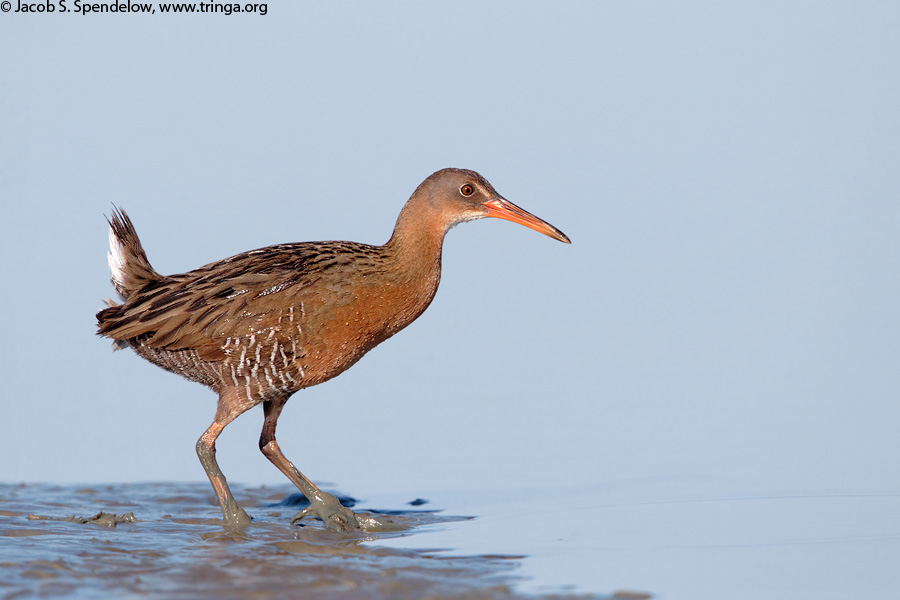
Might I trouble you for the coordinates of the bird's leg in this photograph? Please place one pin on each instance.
(206, 450)
(323, 505)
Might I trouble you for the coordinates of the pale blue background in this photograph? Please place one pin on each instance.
(726, 320)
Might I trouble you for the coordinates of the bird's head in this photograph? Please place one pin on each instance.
(460, 195)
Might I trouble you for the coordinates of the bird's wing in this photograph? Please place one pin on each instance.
(249, 294)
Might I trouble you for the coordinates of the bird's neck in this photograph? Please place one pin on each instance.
(415, 247)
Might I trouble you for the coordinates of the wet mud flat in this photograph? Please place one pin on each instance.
(166, 540)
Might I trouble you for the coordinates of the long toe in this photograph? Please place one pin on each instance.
(345, 520)
(306, 512)
(331, 512)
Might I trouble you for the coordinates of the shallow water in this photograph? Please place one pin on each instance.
(54, 543)
(665, 539)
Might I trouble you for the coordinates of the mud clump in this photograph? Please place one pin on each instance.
(103, 519)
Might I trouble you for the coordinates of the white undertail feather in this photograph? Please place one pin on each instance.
(116, 259)
(128, 265)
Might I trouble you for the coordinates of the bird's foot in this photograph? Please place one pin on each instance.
(235, 516)
(336, 516)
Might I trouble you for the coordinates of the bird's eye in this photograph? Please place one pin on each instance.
(467, 190)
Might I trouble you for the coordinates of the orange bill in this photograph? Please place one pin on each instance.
(504, 209)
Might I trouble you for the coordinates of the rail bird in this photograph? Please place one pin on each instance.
(261, 325)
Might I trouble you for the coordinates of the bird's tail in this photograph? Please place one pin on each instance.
(128, 265)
